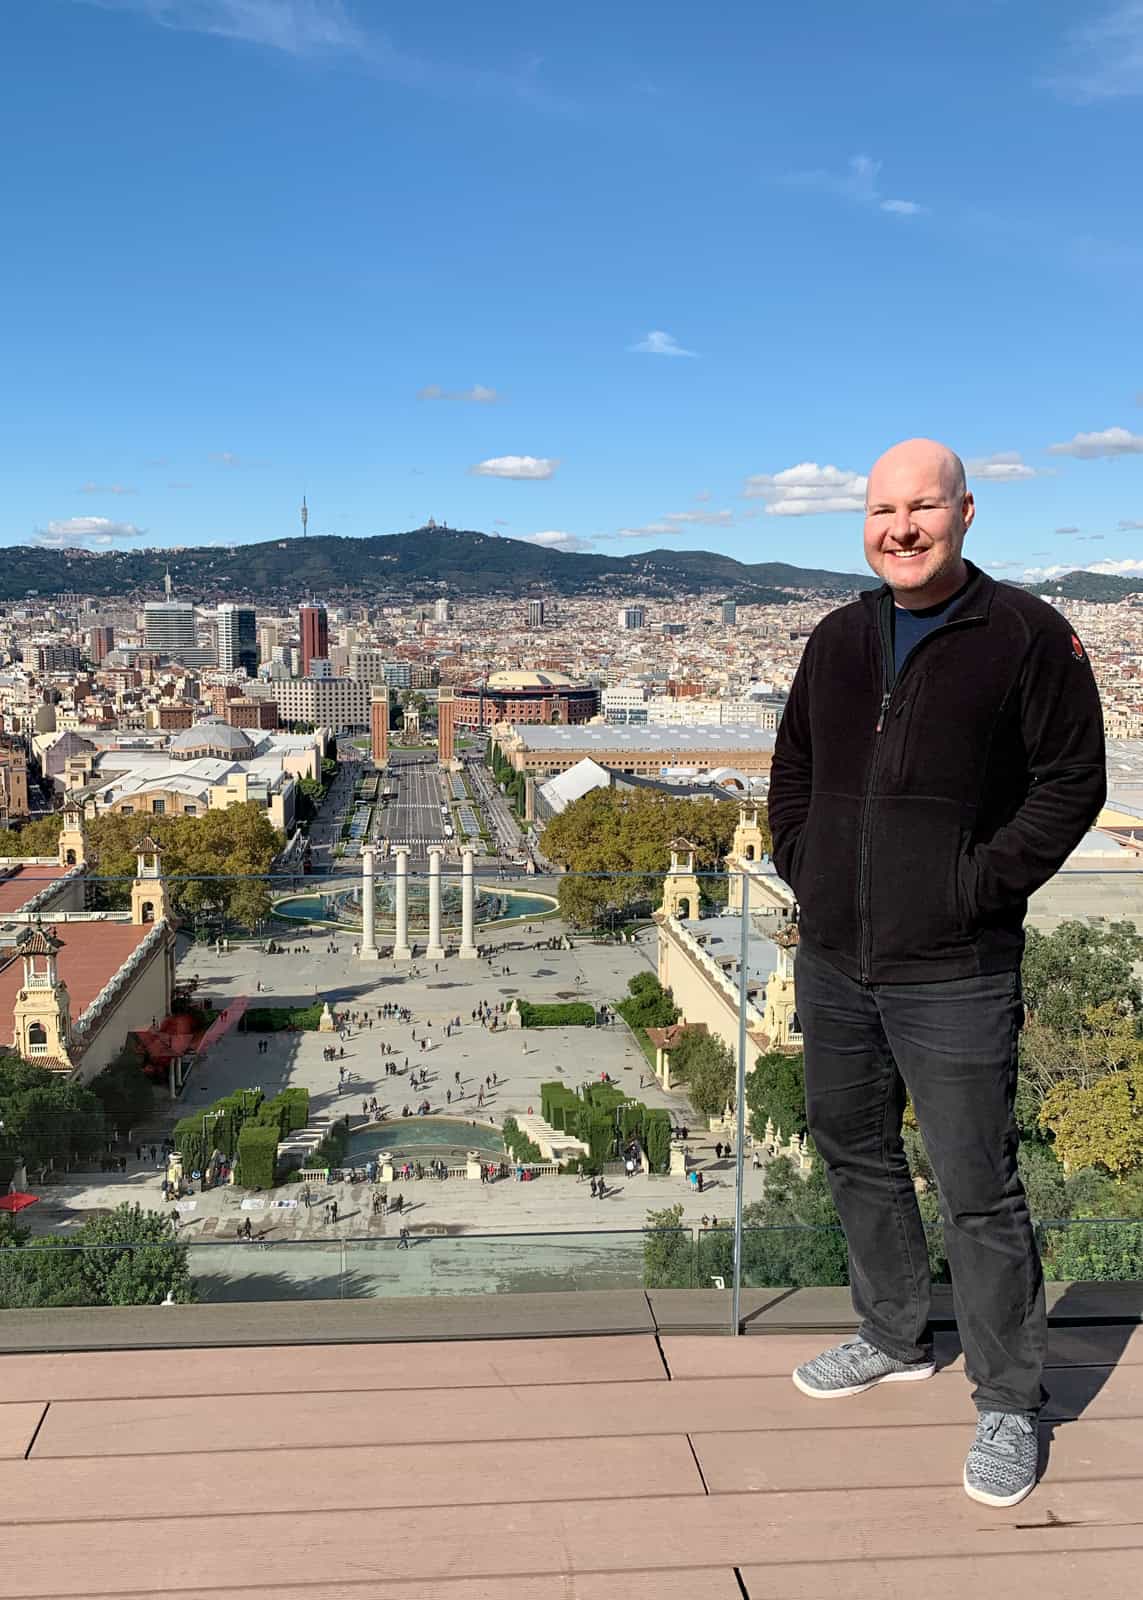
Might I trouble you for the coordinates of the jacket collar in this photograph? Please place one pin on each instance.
(976, 600)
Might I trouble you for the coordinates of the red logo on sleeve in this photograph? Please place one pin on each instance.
(1077, 648)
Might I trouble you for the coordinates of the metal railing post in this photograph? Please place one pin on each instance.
(740, 1102)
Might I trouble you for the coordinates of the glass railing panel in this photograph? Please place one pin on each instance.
(589, 1033)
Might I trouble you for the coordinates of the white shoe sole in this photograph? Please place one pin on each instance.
(912, 1375)
(982, 1497)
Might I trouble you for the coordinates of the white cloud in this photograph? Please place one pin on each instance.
(1126, 567)
(860, 184)
(553, 539)
(650, 530)
(516, 467)
(73, 530)
(658, 343)
(807, 490)
(478, 395)
(1105, 56)
(1069, 529)
(1003, 466)
(106, 488)
(1130, 525)
(706, 519)
(327, 30)
(1093, 446)
(227, 458)
(297, 27)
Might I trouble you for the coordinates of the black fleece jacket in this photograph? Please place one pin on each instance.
(914, 816)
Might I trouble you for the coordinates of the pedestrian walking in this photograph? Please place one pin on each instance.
(940, 756)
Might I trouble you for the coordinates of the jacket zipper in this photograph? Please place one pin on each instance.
(888, 687)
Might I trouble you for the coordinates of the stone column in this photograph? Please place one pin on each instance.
(368, 934)
(468, 950)
(401, 951)
(435, 951)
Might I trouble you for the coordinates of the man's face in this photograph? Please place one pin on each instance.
(915, 523)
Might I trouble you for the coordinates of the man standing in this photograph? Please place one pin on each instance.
(940, 756)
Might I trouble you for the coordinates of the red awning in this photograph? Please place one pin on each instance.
(17, 1202)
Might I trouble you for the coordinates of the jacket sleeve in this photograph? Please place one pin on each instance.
(791, 772)
(1062, 725)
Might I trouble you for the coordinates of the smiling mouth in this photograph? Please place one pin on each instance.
(906, 555)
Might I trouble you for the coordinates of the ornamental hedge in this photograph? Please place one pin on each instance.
(257, 1156)
(571, 1014)
(591, 1115)
(283, 1019)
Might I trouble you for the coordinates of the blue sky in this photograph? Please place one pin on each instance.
(609, 276)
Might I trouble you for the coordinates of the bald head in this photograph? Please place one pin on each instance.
(917, 512)
(916, 459)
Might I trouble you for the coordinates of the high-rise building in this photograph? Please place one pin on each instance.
(336, 703)
(442, 612)
(631, 617)
(379, 727)
(267, 639)
(170, 627)
(446, 718)
(314, 626)
(102, 643)
(238, 639)
(729, 613)
(535, 613)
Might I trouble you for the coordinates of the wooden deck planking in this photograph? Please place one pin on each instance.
(207, 1554)
(311, 1369)
(706, 1583)
(604, 1410)
(1063, 1575)
(891, 1458)
(777, 1354)
(316, 1480)
(18, 1424)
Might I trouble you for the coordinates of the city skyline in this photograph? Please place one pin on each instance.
(671, 291)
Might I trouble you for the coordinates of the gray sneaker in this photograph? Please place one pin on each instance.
(1001, 1466)
(853, 1367)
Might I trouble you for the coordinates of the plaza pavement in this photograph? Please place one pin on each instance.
(448, 1210)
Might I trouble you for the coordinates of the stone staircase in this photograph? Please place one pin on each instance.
(303, 1141)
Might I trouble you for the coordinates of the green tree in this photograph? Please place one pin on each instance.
(707, 1067)
(776, 1092)
(123, 1090)
(668, 1250)
(47, 1119)
(1101, 1126)
(133, 1259)
(624, 839)
(648, 1004)
(1076, 967)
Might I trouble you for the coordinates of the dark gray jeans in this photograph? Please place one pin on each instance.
(952, 1046)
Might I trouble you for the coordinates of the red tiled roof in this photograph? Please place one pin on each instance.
(91, 955)
(21, 883)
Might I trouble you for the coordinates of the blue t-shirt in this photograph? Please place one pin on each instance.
(910, 627)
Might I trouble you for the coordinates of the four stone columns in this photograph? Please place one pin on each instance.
(468, 950)
(401, 951)
(435, 951)
(368, 932)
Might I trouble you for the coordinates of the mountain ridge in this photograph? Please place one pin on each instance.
(421, 563)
